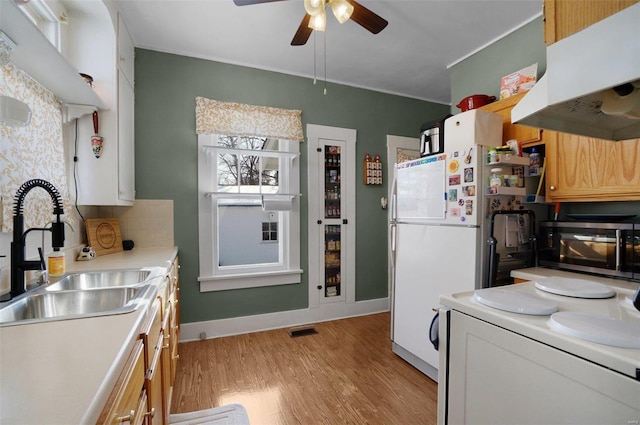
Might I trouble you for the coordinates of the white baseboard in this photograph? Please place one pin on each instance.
(282, 319)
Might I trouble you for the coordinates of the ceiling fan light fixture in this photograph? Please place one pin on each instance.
(314, 7)
(342, 10)
(318, 22)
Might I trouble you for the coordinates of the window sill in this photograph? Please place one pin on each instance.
(249, 280)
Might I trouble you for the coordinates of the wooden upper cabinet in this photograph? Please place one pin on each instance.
(588, 169)
(565, 17)
(522, 133)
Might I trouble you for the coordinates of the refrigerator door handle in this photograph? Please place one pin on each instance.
(392, 243)
(394, 195)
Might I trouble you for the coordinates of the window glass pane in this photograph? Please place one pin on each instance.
(227, 171)
(332, 261)
(246, 173)
(270, 174)
(247, 235)
(242, 230)
(332, 178)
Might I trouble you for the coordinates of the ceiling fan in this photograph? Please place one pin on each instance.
(315, 18)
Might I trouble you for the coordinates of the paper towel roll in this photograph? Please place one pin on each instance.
(277, 203)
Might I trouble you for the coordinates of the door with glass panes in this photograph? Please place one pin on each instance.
(331, 215)
(332, 221)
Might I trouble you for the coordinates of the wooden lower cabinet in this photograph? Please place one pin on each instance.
(128, 401)
(587, 169)
(142, 394)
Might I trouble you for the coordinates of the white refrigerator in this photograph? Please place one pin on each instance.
(437, 232)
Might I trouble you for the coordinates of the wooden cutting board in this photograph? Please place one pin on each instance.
(104, 235)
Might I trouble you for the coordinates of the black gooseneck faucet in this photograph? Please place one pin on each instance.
(18, 263)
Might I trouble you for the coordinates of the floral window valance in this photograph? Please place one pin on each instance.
(237, 119)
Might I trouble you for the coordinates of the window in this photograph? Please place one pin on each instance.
(249, 211)
(47, 15)
(270, 231)
(248, 174)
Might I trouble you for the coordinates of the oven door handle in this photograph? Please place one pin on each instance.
(619, 242)
(433, 331)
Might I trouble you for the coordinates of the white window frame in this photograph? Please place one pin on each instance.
(48, 16)
(212, 277)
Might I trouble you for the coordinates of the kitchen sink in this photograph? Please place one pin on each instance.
(62, 305)
(98, 280)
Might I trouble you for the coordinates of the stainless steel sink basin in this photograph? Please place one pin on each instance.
(62, 305)
(97, 280)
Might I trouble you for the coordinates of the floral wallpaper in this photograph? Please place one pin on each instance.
(34, 151)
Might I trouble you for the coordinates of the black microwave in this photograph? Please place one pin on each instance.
(610, 249)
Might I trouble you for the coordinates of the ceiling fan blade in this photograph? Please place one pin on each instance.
(250, 2)
(302, 35)
(366, 18)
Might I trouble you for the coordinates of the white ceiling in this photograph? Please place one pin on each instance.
(409, 58)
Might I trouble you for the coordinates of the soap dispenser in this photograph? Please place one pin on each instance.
(56, 263)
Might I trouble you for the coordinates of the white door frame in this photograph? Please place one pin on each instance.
(318, 135)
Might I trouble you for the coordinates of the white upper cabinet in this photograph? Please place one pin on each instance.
(126, 53)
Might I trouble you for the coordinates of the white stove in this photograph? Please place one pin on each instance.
(553, 318)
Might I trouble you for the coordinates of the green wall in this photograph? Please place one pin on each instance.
(166, 164)
(481, 73)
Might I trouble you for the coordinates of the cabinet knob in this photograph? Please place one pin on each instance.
(552, 187)
(122, 59)
(129, 418)
(319, 221)
(319, 287)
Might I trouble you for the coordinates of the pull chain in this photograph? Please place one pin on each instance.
(314, 58)
(325, 63)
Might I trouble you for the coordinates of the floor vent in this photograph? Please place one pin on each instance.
(302, 331)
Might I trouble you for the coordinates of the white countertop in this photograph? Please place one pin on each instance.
(63, 372)
(534, 273)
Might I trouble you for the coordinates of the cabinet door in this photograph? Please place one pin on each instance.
(126, 148)
(332, 184)
(499, 377)
(126, 52)
(565, 17)
(154, 384)
(127, 402)
(522, 133)
(165, 361)
(332, 189)
(588, 169)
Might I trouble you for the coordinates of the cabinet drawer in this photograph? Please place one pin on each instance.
(151, 332)
(128, 399)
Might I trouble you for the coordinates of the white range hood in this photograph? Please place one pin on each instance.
(582, 71)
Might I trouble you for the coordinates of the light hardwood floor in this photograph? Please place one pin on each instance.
(344, 374)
